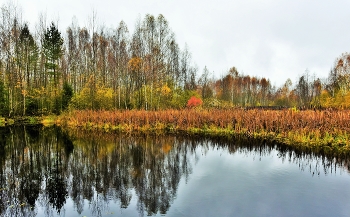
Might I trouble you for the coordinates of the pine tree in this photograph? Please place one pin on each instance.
(53, 50)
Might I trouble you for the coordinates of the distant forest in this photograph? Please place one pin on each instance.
(45, 71)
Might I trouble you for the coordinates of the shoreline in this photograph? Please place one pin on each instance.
(320, 131)
(317, 131)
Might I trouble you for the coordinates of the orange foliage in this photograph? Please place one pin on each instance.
(238, 120)
(135, 64)
(194, 102)
(166, 148)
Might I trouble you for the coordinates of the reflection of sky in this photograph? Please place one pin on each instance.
(245, 184)
(238, 185)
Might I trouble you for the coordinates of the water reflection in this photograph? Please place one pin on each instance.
(41, 168)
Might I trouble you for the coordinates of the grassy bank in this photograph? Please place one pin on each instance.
(321, 131)
(30, 120)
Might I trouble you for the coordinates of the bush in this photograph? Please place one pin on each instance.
(194, 102)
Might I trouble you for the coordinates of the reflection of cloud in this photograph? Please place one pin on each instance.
(156, 174)
(225, 184)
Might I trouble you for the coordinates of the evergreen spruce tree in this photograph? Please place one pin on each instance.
(53, 50)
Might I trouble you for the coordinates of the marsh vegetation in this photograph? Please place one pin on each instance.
(324, 131)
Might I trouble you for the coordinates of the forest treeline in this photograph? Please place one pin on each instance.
(45, 71)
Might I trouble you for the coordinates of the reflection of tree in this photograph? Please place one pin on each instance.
(56, 186)
(3, 132)
(44, 166)
(30, 184)
(121, 179)
(57, 190)
(31, 181)
(117, 163)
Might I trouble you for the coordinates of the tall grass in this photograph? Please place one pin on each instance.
(329, 128)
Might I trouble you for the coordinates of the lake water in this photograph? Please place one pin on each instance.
(53, 172)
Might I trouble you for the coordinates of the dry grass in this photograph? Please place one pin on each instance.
(236, 119)
(312, 128)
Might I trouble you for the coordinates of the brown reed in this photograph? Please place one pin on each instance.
(311, 128)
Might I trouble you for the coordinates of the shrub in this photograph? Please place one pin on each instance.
(194, 102)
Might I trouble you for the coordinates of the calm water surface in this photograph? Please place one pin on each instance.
(52, 172)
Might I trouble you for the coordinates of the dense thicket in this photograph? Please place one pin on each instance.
(47, 71)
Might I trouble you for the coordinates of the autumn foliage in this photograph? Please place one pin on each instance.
(328, 129)
(194, 102)
(115, 69)
(277, 121)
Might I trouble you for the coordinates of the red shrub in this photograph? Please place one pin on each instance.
(194, 102)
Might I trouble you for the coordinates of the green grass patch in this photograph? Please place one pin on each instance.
(50, 120)
(2, 121)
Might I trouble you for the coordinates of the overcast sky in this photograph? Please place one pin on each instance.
(276, 39)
